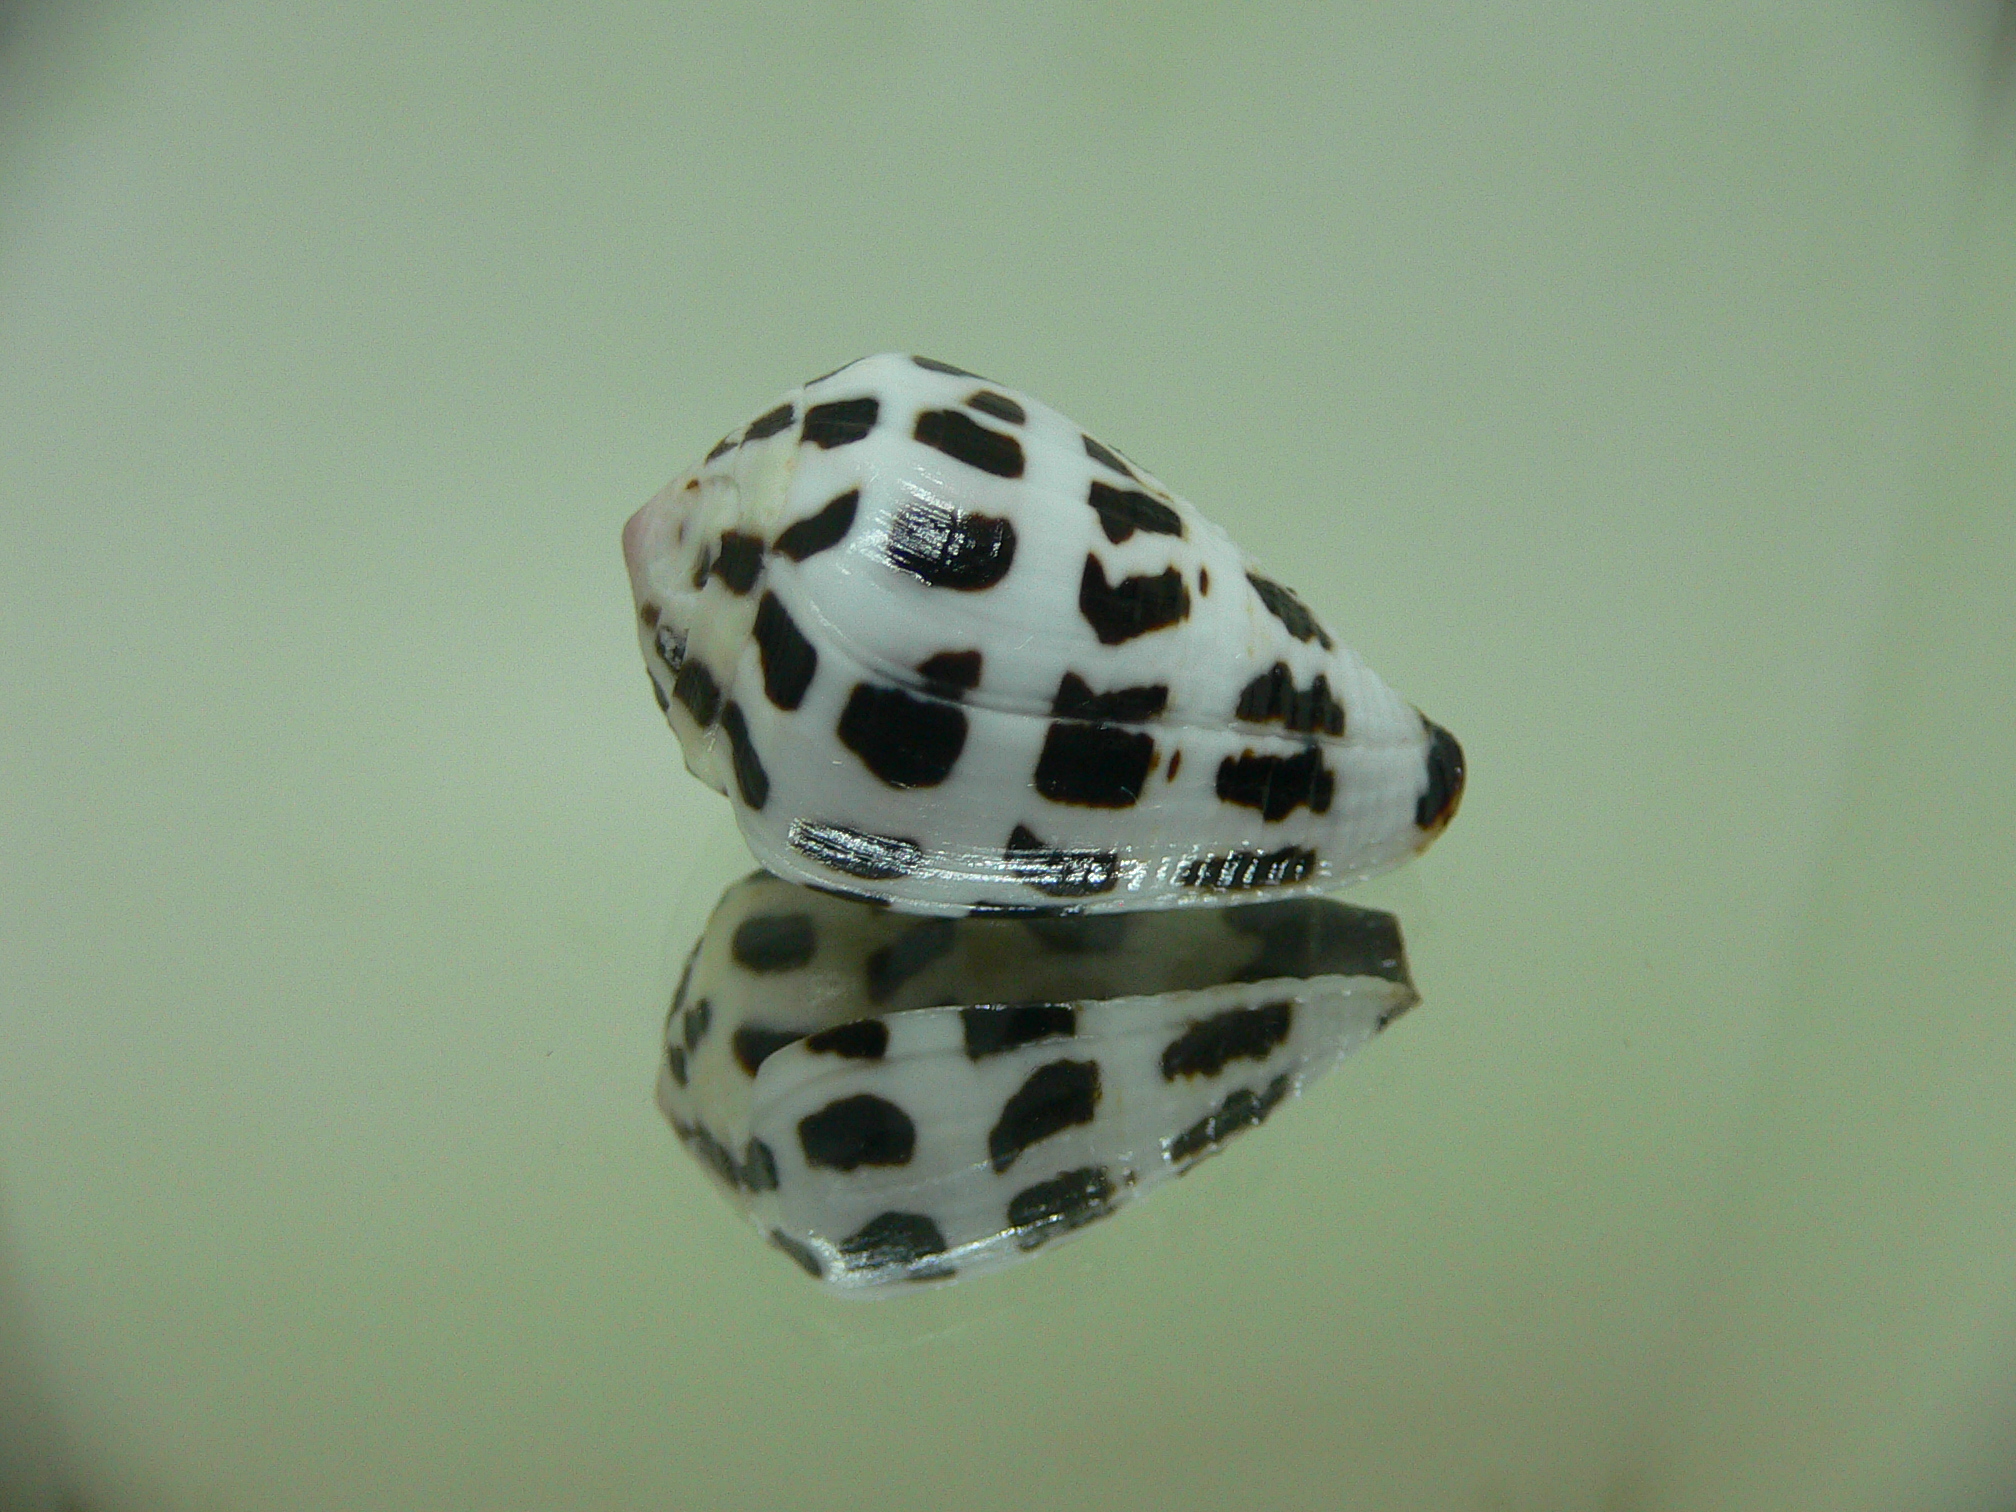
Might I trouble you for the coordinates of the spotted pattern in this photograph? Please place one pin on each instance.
(943, 648)
(696, 689)
(907, 741)
(789, 659)
(1000, 406)
(841, 423)
(759, 1167)
(997, 1029)
(897, 1240)
(750, 778)
(1437, 805)
(1242, 1109)
(948, 548)
(855, 1131)
(770, 423)
(1277, 785)
(773, 942)
(1122, 511)
(1273, 698)
(1290, 610)
(1039, 1213)
(870, 1090)
(695, 1022)
(1138, 705)
(1105, 456)
(864, 1039)
(1137, 605)
(712, 1153)
(755, 1044)
(1094, 765)
(822, 531)
(964, 439)
(1207, 1046)
(801, 1254)
(950, 673)
(738, 561)
(1055, 1097)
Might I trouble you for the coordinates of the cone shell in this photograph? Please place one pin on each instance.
(943, 649)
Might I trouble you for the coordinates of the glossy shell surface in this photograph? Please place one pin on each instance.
(943, 649)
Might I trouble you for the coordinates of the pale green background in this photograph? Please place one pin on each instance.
(1633, 388)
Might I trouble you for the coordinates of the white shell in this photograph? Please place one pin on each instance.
(942, 649)
(896, 1100)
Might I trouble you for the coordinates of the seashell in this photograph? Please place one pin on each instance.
(942, 649)
(895, 1100)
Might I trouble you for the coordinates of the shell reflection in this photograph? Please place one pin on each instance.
(897, 1100)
